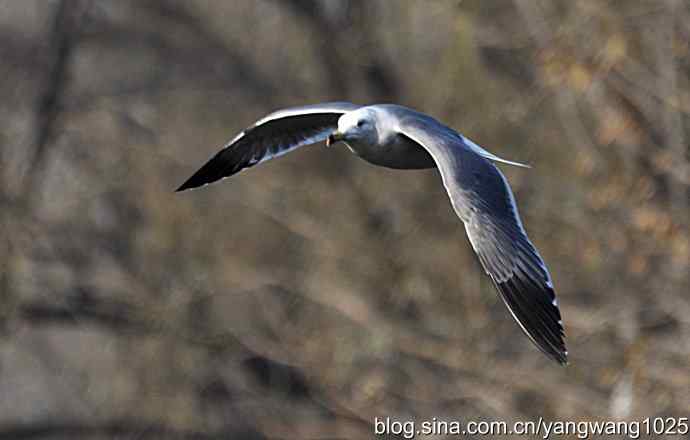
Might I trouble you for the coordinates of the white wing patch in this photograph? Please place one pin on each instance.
(309, 140)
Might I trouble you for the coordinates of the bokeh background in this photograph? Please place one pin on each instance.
(304, 297)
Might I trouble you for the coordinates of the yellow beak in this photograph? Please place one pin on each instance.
(334, 137)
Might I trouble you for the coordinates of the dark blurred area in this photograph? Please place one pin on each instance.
(304, 297)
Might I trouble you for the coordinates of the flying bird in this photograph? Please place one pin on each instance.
(398, 137)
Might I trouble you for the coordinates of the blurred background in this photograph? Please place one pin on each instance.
(304, 297)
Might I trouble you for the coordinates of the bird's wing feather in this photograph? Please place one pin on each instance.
(271, 136)
(482, 152)
(484, 201)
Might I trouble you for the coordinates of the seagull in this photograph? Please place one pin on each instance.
(398, 137)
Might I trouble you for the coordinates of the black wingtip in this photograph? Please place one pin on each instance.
(560, 356)
(558, 353)
(564, 360)
(223, 164)
(533, 308)
(200, 178)
(191, 183)
(185, 186)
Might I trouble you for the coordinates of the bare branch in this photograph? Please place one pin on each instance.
(68, 18)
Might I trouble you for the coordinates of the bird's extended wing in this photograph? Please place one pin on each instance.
(272, 136)
(484, 201)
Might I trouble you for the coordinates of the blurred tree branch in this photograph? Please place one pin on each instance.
(233, 62)
(347, 43)
(67, 22)
(84, 306)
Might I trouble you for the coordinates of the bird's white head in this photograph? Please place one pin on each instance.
(357, 127)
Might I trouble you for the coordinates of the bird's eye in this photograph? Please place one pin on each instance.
(360, 123)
